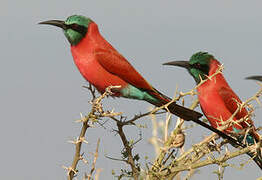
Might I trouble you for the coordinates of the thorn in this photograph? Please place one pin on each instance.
(208, 77)
(69, 169)
(257, 100)
(81, 115)
(221, 68)
(201, 80)
(83, 159)
(82, 139)
(176, 91)
(72, 141)
(109, 88)
(78, 121)
(82, 118)
(227, 151)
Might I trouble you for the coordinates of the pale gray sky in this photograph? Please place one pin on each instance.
(42, 94)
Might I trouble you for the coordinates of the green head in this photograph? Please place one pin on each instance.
(198, 65)
(74, 27)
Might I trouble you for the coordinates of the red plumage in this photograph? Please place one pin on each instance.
(102, 65)
(218, 101)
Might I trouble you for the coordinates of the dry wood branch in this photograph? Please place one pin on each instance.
(128, 148)
(96, 113)
(167, 164)
(72, 170)
(168, 144)
(94, 162)
(220, 160)
(191, 159)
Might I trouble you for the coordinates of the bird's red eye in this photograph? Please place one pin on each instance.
(197, 66)
(74, 26)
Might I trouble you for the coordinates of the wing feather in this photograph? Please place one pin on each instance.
(231, 101)
(116, 64)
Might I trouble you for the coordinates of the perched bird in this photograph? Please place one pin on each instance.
(217, 100)
(258, 78)
(102, 66)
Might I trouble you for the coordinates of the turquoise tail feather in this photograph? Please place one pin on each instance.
(158, 99)
(250, 140)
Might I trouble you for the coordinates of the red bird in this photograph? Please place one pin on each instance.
(103, 66)
(217, 100)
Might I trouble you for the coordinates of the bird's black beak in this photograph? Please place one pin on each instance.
(184, 64)
(258, 78)
(57, 23)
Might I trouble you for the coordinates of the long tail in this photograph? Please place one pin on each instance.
(257, 157)
(188, 114)
(184, 113)
(252, 138)
(180, 111)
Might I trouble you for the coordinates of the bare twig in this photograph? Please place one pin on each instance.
(222, 159)
(168, 144)
(96, 113)
(168, 163)
(128, 148)
(94, 162)
(72, 170)
(191, 159)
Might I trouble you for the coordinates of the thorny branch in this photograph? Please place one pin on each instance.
(191, 159)
(128, 145)
(128, 149)
(96, 114)
(167, 164)
(78, 143)
(87, 121)
(94, 162)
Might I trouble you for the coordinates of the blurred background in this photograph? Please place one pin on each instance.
(41, 89)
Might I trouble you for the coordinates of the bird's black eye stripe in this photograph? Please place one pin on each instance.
(202, 67)
(78, 28)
